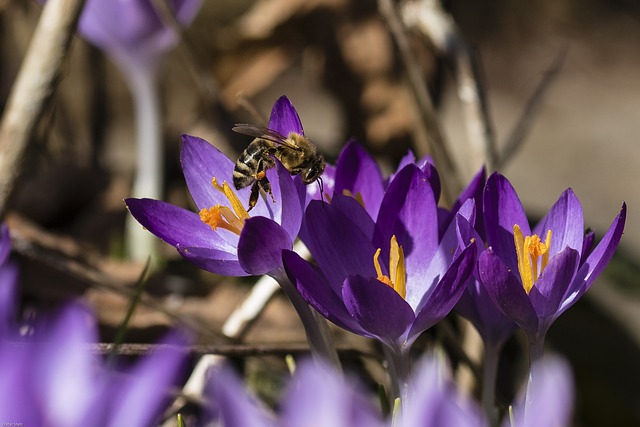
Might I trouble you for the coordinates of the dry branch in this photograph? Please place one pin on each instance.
(36, 81)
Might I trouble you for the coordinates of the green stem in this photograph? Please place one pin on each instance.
(536, 351)
(399, 367)
(148, 180)
(489, 376)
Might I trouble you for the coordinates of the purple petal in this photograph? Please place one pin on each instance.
(446, 293)
(353, 210)
(319, 294)
(284, 118)
(65, 368)
(407, 159)
(213, 260)
(502, 210)
(337, 244)
(261, 244)
(475, 303)
(425, 164)
(186, 10)
(5, 243)
(9, 274)
(358, 172)
(423, 283)
(318, 395)
(506, 291)
(473, 191)
(597, 260)
(201, 162)
(409, 212)
(235, 407)
(547, 292)
(179, 227)
(132, 28)
(587, 245)
(328, 185)
(287, 210)
(434, 402)
(565, 222)
(142, 397)
(433, 177)
(378, 308)
(551, 396)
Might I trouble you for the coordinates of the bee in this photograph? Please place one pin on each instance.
(297, 154)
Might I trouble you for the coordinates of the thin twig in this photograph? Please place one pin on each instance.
(435, 142)
(519, 132)
(227, 350)
(440, 29)
(36, 81)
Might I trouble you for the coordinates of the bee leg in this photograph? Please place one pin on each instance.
(266, 186)
(253, 198)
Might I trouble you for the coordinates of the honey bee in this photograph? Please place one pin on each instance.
(297, 154)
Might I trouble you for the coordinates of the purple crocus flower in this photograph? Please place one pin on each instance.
(223, 238)
(390, 279)
(535, 275)
(52, 378)
(133, 32)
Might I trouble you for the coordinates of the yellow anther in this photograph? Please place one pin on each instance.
(240, 211)
(529, 250)
(219, 216)
(397, 269)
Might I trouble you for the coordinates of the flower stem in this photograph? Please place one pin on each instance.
(536, 351)
(489, 375)
(399, 369)
(315, 326)
(148, 181)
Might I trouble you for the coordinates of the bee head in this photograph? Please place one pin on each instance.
(314, 171)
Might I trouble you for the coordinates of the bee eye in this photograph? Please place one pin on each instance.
(313, 173)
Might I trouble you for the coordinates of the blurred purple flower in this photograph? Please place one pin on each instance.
(223, 238)
(552, 396)
(133, 32)
(52, 378)
(433, 400)
(317, 395)
(535, 279)
(390, 279)
(8, 284)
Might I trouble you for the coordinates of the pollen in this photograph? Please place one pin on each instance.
(397, 272)
(220, 216)
(533, 256)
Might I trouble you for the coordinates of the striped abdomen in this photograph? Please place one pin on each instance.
(253, 160)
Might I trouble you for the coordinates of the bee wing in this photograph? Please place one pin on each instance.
(264, 133)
